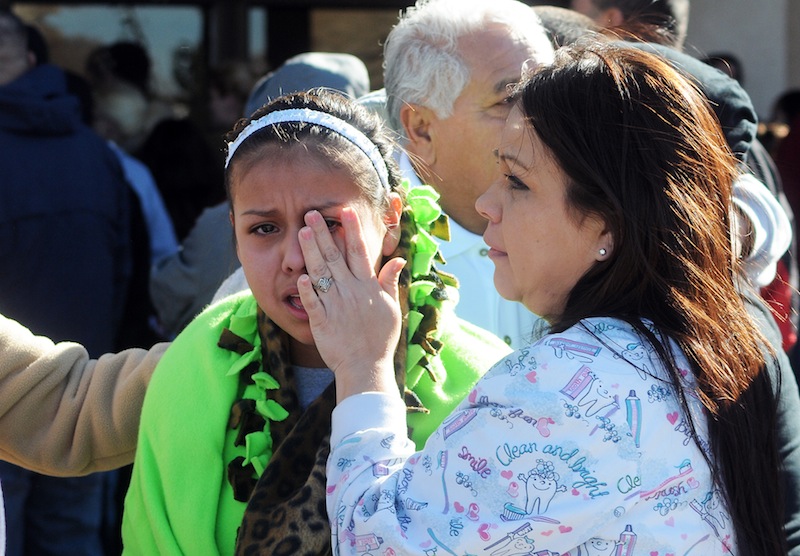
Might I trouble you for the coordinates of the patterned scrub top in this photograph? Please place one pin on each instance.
(574, 445)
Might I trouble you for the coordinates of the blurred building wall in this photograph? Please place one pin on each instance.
(763, 34)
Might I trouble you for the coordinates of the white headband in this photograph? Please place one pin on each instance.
(306, 115)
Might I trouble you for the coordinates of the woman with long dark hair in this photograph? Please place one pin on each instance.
(642, 420)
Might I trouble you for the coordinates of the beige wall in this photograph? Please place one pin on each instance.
(763, 34)
(358, 32)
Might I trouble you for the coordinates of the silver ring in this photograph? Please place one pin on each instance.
(323, 284)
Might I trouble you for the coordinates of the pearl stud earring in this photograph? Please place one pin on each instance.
(602, 251)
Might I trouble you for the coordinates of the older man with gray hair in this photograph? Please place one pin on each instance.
(447, 68)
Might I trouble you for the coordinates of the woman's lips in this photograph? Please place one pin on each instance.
(496, 253)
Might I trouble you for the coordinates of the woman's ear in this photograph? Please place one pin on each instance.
(392, 221)
(605, 245)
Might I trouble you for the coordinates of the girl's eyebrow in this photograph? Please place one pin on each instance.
(272, 212)
(257, 212)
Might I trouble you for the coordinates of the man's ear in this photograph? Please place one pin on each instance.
(392, 221)
(416, 121)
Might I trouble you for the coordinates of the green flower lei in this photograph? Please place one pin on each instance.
(426, 293)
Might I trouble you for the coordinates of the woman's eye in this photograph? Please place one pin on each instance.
(332, 224)
(514, 182)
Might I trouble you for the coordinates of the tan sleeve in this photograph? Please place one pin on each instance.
(62, 413)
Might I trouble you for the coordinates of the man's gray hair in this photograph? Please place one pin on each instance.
(422, 62)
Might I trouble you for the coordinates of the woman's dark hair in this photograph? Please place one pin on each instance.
(642, 150)
(338, 151)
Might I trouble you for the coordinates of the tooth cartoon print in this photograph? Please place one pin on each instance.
(541, 486)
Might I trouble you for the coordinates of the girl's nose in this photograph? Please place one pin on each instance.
(293, 261)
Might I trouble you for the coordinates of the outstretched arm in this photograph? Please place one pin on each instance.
(62, 413)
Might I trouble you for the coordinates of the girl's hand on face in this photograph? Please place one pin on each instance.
(356, 322)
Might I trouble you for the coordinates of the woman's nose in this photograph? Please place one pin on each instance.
(485, 204)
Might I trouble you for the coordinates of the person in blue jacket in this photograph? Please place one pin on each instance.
(64, 266)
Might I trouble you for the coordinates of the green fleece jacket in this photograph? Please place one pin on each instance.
(179, 500)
